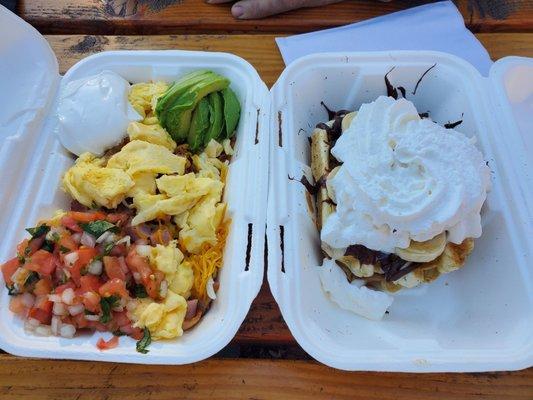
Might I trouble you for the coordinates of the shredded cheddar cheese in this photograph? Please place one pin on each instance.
(208, 261)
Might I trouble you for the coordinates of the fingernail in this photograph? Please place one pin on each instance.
(237, 11)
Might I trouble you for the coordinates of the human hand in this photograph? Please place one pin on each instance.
(253, 9)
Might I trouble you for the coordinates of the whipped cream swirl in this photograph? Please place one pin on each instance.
(404, 178)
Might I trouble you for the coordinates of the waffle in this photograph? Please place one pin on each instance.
(421, 262)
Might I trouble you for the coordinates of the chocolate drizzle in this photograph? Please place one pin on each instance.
(422, 77)
(451, 125)
(393, 266)
(312, 189)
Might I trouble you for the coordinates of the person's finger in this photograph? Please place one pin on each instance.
(251, 9)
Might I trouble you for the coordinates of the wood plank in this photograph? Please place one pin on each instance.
(264, 323)
(238, 379)
(114, 17)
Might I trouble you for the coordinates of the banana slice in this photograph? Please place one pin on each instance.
(356, 268)
(319, 153)
(347, 120)
(455, 255)
(421, 252)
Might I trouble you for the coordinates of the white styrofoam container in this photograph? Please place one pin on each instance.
(476, 319)
(479, 318)
(32, 162)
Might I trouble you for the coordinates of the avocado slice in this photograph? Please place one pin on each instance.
(216, 116)
(199, 126)
(175, 117)
(177, 89)
(232, 111)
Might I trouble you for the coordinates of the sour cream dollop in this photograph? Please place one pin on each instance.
(94, 112)
(404, 178)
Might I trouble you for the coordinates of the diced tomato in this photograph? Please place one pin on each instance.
(79, 321)
(43, 287)
(66, 242)
(91, 301)
(129, 330)
(110, 344)
(61, 288)
(115, 218)
(113, 269)
(16, 305)
(120, 250)
(151, 280)
(9, 268)
(90, 283)
(113, 286)
(85, 256)
(121, 318)
(86, 216)
(41, 310)
(70, 223)
(98, 326)
(21, 247)
(42, 262)
(152, 284)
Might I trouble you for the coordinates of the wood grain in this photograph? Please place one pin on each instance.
(114, 17)
(244, 379)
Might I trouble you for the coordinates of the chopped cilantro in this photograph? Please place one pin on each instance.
(97, 228)
(31, 279)
(108, 303)
(48, 246)
(144, 342)
(87, 312)
(64, 249)
(139, 291)
(11, 290)
(108, 247)
(21, 259)
(27, 251)
(38, 231)
(55, 236)
(118, 332)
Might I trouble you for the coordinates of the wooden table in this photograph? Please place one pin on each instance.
(194, 16)
(232, 378)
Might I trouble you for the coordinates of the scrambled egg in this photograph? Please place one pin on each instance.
(88, 181)
(154, 134)
(139, 156)
(165, 319)
(144, 183)
(143, 98)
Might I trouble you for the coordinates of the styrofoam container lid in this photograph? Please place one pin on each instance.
(33, 161)
(478, 318)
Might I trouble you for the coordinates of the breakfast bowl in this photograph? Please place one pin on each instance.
(477, 318)
(31, 191)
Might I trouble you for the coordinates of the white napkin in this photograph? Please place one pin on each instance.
(437, 26)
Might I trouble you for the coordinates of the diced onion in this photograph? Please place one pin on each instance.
(59, 309)
(33, 322)
(104, 237)
(126, 240)
(118, 309)
(87, 240)
(55, 325)
(90, 317)
(29, 327)
(71, 258)
(137, 277)
(209, 288)
(51, 233)
(56, 298)
(28, 300)
(131, 306)
(76, 237)
(95, 267)
(67, 331)
(43, 330)
(144, 250)
(68, 296)
(75, 309)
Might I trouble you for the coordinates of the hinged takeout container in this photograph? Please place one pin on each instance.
(475, 319)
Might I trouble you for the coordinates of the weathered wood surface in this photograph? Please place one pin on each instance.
(194, 16)
(228, 379)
